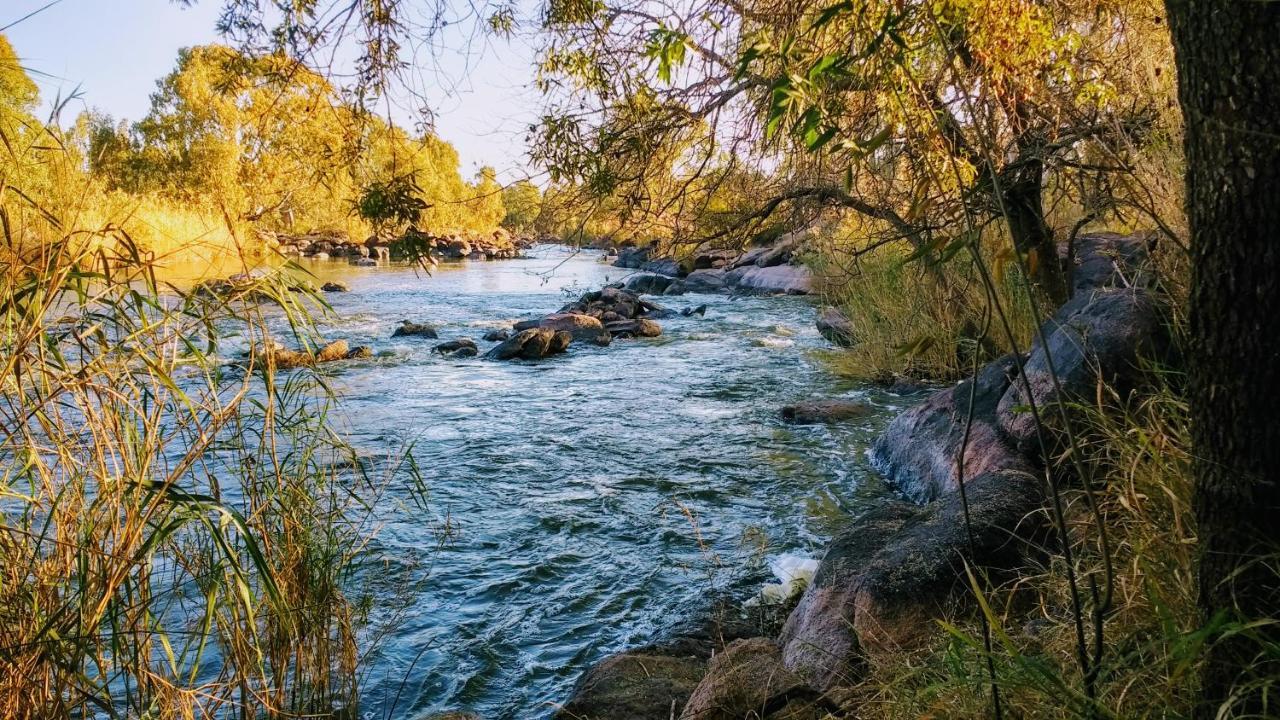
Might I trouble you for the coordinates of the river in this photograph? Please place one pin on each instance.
(591, 499)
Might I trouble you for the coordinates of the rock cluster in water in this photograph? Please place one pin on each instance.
(772, 270)
(885, 579)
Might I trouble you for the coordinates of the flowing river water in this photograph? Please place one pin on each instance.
(591, 500)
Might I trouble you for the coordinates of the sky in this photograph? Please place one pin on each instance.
(113, 51)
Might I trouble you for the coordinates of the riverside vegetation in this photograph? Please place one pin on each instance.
(1040, 200)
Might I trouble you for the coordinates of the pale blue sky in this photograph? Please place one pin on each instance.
(114, 50)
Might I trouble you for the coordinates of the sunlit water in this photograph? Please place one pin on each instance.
(594, 499)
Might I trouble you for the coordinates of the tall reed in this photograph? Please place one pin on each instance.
(177, 532)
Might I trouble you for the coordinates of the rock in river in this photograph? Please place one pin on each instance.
(581, 327)
(413, 329)
(335, 286)
(531, 344)
(836, 327)
(812, 412)
(634, 328)
(462, 347)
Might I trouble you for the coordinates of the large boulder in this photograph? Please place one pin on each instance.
(1114, 320)
(582, 327)
(836, 327)
(884, 580)
(748, 680)
(640, 685)
(1099, 336)
(705, 281)
(774, 280)
(664, 266)
(919, 450)
(632, 257)
(531, 344)
(1108, 260)
(810, 412)
(713, 258)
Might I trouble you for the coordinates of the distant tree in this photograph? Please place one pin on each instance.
(265, 137)
(18, 93)
(485, 205)
(523, 202)
(1228, 58)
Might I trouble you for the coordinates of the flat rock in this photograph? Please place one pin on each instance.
(650, 284)
(775, 280)
(581, 326)
(634, 328)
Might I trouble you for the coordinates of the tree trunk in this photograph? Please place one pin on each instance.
(1228, 58)
(1032, 236)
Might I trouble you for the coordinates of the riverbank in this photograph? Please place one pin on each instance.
(891, 575)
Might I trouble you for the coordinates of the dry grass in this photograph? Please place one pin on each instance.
(910, 320)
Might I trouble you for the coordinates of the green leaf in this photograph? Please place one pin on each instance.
(831, 12)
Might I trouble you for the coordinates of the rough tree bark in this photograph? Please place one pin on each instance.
(1228, 58)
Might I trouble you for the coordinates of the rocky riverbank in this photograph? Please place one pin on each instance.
(970, 449)
(499, 244)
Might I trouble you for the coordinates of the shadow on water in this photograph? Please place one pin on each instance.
(586, 501)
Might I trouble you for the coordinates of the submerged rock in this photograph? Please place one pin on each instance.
(824, 411)
(497, 335)
(700, 311)
(413, 329)
(360, 352)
